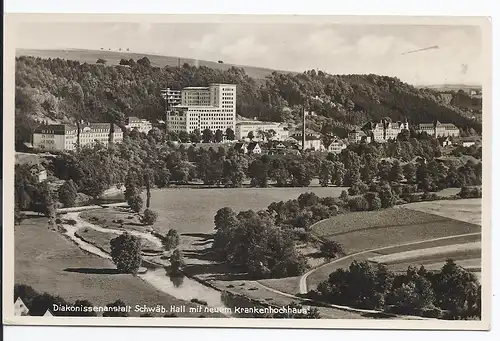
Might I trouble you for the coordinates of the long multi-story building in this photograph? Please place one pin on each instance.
(276, 130)
(438, 129)
(212, 107)
(68, 137)
(384, 130)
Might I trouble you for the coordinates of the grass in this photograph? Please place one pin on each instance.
(446, 251)
(468, 210)
(102, 239)
(290, 285)
(50, 263)
(369, 230)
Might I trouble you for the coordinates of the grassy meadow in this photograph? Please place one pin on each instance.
(49, 262)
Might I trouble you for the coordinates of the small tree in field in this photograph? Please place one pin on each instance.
(135, 203)
(149, 217)
(171, 240)
(68, 193)
(331, 249)
(126, 253)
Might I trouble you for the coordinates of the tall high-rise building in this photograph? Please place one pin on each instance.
(212, 107)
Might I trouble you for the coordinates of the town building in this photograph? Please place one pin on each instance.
(143, 126)
(52, 137)
(38, 172)
(20, 309)
(171, 96)
(337, 146)
(273, 130)
(248, 148)
(212, 107)
(438, 129)
(385, 130)
(253, 148)
(55, 137)
(357, 135)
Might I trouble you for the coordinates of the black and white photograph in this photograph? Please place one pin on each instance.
(252, 171)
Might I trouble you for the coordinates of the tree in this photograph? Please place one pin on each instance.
(171, 240)
(230, 134)
(44, 202)
(410, 172)
(101, 61)
(331, 249)
(135, 203)
(126, 253)
(149, 217)
(144, 61)
(184, 137)
(195, 136)
(225, 218)
(68, 193)
(116, 309)
(124, 62)
(207, 136)
(396, 173)
(251, 135)
(176, 261)
(219, 135)
(327, 169)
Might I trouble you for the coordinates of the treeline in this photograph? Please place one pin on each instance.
(94, 169)
(67, 90)
(451, 293)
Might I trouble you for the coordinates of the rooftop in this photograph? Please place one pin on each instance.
(57, 129)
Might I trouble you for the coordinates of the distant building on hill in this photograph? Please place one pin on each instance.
(357, 135)
(438, 129)
(39, 172)
(385, 130)
(143, 126)
(212, 107)
(53, 137)
(337, 146)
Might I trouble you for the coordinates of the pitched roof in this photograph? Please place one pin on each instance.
(252, 145)
(56, 129)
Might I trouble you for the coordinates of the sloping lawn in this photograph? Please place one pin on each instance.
(49, 262)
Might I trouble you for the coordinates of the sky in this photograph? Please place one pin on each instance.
(333, 48)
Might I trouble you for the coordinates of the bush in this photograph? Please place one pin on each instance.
(71, 222)
(135, 203)
(359, 203)
(149, 217)
(331, 249)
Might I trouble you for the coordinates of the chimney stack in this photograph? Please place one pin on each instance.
(303, 128)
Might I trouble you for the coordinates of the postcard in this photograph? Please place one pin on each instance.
(247, 171)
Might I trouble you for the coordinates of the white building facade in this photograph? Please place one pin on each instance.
(143, 126)
(66, 137)
(212, 107)
(275, 130)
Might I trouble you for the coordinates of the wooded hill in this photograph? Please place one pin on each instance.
(63, 90)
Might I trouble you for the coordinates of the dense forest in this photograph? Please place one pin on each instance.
(58, 90)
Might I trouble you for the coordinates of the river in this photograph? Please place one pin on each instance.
(183, 288)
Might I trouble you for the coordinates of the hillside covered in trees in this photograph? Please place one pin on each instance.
(58, 90)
